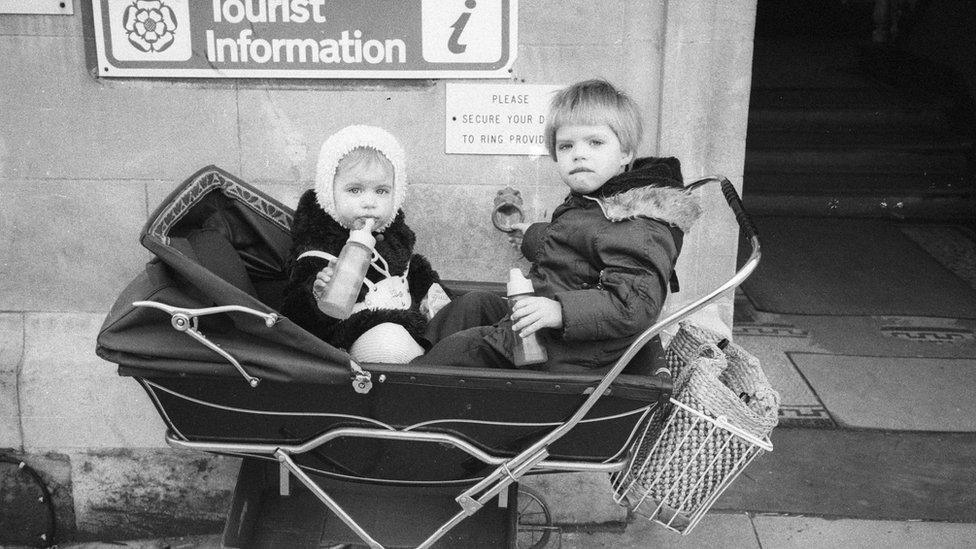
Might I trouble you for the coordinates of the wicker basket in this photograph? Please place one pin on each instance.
(718, 421)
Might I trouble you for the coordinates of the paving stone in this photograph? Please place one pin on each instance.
(717, 530)
(578, 498)
(70, 398)
(804, 532)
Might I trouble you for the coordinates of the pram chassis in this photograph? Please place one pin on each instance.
(507, 470)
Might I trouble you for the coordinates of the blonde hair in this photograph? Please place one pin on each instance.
(363, 158)
(595, 103)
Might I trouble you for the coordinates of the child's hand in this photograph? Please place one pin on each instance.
(518, 233)
(529, 314)
(321, 281)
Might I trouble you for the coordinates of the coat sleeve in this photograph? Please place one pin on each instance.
(298, 303)
(637, 257)
(532, 240)
(420, 278)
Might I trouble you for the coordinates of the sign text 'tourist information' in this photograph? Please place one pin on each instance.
(305, 38)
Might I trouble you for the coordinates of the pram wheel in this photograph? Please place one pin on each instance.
(534, 520)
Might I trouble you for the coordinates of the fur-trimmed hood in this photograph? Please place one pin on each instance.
(652, 188)
(675, 207)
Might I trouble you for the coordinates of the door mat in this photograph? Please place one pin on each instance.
(826, 266)
(915, 394)
(861, 474)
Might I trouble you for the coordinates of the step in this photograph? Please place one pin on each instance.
(936, 207)
(842, 98)
(857, 184)
(890, 139)
(847, 161)
(801, 118)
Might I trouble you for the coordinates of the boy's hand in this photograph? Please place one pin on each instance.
(321, 281)
(518, 233)
(529, 314)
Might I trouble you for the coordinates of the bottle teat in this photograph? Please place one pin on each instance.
(518, 284)
(362, 232)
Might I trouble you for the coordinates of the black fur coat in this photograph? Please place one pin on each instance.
(313, 229)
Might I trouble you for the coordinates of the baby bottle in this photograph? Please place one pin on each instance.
(527, 349)
(349, 271)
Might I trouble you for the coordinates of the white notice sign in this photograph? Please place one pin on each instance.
(497, 118)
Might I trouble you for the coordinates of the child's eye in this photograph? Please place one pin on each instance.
(382, 191)
(353, 190)
(563, 147)
(596, 142)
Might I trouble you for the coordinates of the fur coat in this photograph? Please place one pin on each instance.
(313, 229)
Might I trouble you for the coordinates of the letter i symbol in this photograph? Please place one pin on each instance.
(452, 44)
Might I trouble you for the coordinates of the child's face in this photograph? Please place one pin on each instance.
(363, 191)
(587, 156)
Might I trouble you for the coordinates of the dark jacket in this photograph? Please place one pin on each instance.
(607, 258)
(313, 229)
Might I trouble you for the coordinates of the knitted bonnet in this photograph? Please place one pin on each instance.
(344, 141)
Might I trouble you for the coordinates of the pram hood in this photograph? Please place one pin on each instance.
(217, 241)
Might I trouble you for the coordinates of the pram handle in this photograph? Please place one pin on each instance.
(734, 201)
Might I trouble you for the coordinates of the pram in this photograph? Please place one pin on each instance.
(253, 384)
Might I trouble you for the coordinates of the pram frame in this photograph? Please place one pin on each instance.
(507, 469)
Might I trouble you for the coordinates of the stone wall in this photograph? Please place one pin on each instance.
(84, 160)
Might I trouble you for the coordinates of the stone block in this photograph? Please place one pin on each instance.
(576, 23)
(54, 265)
(454, 231)
(16, 24)
(72, 399)
(102, 129)
(123, 493)
(578, 498)
(282, 130)
(11, 354)
(644, 21)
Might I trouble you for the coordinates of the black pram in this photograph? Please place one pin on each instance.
(254, 384)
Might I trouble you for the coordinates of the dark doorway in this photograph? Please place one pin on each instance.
(861, 112)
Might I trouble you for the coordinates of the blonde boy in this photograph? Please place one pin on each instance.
(601, 266)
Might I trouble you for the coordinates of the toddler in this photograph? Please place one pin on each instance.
(601, 267)
(360, 174)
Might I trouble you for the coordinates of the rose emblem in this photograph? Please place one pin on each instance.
(150, 25)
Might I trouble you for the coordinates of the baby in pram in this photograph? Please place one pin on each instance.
(361, 173)
(601, 267)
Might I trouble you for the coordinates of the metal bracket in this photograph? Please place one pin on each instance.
(362, 382)
(185, 320)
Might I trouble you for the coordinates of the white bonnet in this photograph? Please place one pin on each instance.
(340, 144)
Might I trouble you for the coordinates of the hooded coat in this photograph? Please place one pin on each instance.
(607, 257)
(313, 229)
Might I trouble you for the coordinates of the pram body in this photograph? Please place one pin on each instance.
(254, 384)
